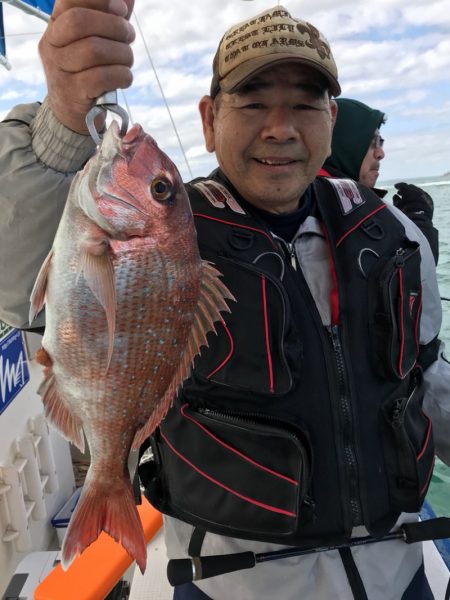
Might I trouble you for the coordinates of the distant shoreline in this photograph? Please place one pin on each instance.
(426, 179)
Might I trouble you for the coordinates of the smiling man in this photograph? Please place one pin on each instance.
(303, 422)
(270, 135)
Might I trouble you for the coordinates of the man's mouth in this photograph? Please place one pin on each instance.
(276, 162)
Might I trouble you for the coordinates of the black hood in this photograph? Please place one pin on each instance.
(352, 134)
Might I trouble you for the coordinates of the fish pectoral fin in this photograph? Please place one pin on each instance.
(37, 298)
(212, 300)
(97, 269)
(43, 357)
(58, 413)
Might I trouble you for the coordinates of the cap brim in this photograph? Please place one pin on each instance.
(245, 71)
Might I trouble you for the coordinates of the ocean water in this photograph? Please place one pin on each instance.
(439, 492)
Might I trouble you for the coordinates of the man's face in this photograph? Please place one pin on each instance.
(273, 135)
(370, 166)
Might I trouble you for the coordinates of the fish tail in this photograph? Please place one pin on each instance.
(110, 510)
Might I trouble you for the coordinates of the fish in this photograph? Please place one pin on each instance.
(129, 303)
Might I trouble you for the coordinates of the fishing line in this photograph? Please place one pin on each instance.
(31, 10)
(127, 105)
(163, 95)
(9, 35)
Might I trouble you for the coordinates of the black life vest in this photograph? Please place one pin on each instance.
(289, 431)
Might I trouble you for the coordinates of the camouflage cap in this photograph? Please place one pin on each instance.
(270, 37)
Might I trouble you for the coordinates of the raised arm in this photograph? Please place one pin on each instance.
(85, 51)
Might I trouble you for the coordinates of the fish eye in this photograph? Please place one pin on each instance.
(161, 189)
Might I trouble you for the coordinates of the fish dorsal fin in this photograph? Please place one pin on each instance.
(37, 298)
(212, 300)
(58, 413)
(97, 269)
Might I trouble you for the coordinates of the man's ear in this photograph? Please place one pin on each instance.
(334, 111)
(206, 108)
(333, 114)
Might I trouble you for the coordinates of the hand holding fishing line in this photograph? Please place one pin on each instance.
(86, 52)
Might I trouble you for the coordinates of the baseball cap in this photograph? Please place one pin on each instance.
(271, 37)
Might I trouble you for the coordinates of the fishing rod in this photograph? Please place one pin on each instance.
(446, 299)
(186, 570)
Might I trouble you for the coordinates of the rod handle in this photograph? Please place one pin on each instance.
(185, 570)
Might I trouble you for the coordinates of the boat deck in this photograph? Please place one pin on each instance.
(153, 584)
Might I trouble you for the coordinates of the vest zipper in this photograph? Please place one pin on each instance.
(252, 418)
(288, 249)
(292, 256)
(348, 455)
(397, 418)
(345, 410)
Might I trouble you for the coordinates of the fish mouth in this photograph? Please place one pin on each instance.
(134, 134)
(114, 143)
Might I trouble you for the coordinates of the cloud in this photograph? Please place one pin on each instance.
(392, 55)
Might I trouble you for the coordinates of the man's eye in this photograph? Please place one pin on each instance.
(253, 105)
(305, 107)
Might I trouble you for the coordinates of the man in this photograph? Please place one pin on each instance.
(286, 432)
(356, 152)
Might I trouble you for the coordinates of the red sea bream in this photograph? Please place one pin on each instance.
(128, 304)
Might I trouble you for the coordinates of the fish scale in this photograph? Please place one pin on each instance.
(125, 291)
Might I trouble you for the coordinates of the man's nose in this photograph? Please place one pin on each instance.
(379, 153)
(280, 124)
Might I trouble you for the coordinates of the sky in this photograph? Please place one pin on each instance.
(394, 55)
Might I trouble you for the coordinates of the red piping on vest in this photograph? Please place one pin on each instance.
(266, 333)
(402, 328)
(416, 329)
(358, 224)
(228, 356)
(231, 449)
(334, 292)
(226, 488)
(428, 478)
(236, 225)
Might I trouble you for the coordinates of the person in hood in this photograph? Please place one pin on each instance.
(357, 150)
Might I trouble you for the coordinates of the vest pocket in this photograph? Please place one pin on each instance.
(408, 448)
(395, 303)
(240, 475)
(251, 349)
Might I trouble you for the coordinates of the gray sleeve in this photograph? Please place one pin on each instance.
(436, 402)
(38, 158)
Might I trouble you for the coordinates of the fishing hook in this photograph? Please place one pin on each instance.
(105, 102)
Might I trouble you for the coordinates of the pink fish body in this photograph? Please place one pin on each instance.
(128, 304)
